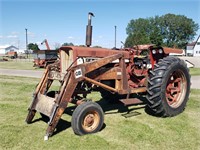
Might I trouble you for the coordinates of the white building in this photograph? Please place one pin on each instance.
(193, 49)
(9, 48)
(197, 47)
(190, 49)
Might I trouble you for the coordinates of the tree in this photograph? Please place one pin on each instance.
(68, 44)
(168, 30)
(97, 46)
(33, 47)
(82, 45)
(177, 30)
(137, 31)
(155, 34)
(57, 46)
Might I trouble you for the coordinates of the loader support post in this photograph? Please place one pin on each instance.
(40, 88)
(124, 83)
(62, 101)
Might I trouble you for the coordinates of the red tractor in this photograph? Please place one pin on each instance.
(118, 75)
(42, 58)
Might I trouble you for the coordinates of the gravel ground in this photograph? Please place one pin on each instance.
(195, 80)
(194, 60)
(23, 73)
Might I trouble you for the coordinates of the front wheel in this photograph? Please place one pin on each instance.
(168, 87)
(87, 118)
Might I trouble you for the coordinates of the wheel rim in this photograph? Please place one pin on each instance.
(176, 89)
(91, 121)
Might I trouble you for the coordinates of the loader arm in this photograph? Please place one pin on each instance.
(41, 87)
(56, 107)
(46, 43)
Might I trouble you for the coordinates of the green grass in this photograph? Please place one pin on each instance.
(13, 64)
(195, 71)
(16, 64)
(122, 130)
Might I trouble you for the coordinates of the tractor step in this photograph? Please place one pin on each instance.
(131, 101)
(45, 104)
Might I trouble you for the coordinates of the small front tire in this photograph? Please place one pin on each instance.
(87, 118)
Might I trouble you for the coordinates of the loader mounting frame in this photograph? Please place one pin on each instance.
(54, 108)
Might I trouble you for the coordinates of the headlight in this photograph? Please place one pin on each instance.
(153, 51)
(160, 51)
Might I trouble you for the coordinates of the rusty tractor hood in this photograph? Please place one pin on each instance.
(169, 50)
(93, 52)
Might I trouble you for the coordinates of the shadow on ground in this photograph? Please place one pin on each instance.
(107, 107)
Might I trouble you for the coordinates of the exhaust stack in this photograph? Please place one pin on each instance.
(89, 30)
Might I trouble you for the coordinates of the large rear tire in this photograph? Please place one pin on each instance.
(87, 118)
(168, 87)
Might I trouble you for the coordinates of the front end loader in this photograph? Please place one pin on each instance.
(118, 75)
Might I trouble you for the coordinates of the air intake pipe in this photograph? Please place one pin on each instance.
(89, 30)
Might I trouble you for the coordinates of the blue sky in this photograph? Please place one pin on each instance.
(61, 21)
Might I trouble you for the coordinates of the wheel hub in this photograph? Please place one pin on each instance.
(176, 89)
(91, 121)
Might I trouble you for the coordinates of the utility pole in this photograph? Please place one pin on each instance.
(26, 43)
(115, 35)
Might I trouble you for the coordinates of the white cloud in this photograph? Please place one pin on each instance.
(12, 36)
(15, 33)
(1, 37)
(31, 34)
(100, 36)
(38, 43)
(95, 41)
(70, 37)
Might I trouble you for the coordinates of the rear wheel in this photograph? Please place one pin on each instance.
(87, 118)
(168, 87)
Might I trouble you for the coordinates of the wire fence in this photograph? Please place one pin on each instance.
(18, 59)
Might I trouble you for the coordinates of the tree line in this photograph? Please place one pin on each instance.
(32, 46)
(168, 30)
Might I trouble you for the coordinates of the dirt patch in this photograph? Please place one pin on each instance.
(194, 60)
